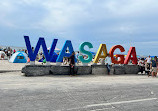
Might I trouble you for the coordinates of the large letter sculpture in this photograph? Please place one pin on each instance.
(101, 49)
(131, 52)
(111, 52)
(63, 52)
(41, 41)
(82, 50)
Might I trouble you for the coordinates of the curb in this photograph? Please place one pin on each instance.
(4, 71)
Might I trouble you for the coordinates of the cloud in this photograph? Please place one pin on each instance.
(62, 15)
(98, 21)
(4, 11)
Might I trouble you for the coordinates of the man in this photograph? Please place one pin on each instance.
(108, 62)
(141, 63)
(72, 63)
(9, 52)
(148, 61)
(148, 64)
(154, 67)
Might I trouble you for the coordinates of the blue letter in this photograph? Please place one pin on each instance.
(41, 41)
(63, 53)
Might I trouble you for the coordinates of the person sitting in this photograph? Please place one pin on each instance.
(108, 62)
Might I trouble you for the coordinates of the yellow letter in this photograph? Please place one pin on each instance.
(101, 49)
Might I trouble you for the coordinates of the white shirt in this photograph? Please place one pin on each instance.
(108, 60)
(141, 62)
(148, 59)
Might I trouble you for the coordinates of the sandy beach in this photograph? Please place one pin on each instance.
(6, 66)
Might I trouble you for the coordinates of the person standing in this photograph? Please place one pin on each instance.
(148, 61)
(9, 52)
(148, 64)
(72, 63)
(108, 62)
(141, 63)
(154, 67)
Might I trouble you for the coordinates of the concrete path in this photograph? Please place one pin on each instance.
(78, 93)
(5, 66)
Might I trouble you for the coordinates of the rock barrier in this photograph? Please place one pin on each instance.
(41, 70)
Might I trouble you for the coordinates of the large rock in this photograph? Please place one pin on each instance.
(131, 69)
(99, 69)
(65, 70)
(36, 70)
(61, 70)
(83, 70)
(40, 70)
(112, 71)
(117, 69)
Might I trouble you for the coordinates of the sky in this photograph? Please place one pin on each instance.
(111, 22)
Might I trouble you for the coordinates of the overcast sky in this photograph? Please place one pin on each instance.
(112, 22)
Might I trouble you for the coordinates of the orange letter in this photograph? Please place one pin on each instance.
(132, 51)
(101, 49)
(121, 60)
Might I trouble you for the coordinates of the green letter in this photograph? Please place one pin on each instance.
(82, 50)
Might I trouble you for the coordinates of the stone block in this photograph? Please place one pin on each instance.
(117, 69)
(131, 69)
(99, 69)
(112, 71)
(36, 70)
(83, 70)
(40, 70)
(61, 70)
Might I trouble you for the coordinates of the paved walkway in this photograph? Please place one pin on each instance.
(6, 66)
(78, 93)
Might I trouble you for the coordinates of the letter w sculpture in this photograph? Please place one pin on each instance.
(41, 41)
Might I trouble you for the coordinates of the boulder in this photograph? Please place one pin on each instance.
(36, 70)
(117, 69)
(83, 70)
(131, 69)
(99, 69)
(60, 70)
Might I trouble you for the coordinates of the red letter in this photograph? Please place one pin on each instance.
(132, 51)
(121, 60)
